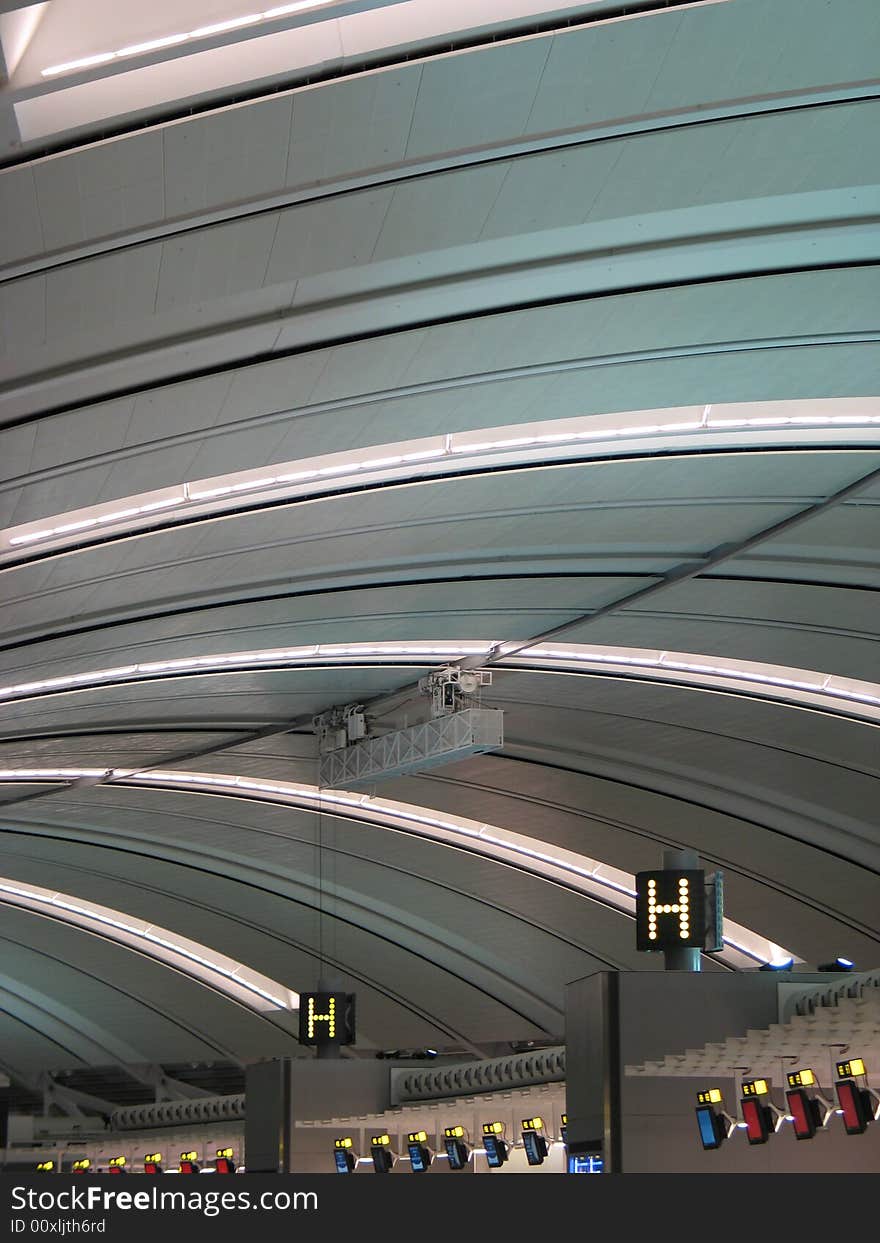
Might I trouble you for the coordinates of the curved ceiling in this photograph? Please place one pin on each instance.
(556, 355)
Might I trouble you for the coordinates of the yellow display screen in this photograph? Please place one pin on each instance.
(849, 1070)
(712, 1096)
(800, 1078)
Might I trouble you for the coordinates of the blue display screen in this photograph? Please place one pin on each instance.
(457, 1154)
(496, 1151)
(585, 1163)
(342, 1163)
(706, 1122)
(536, 1148)
(417, 1158)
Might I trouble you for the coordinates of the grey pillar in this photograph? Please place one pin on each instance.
(267, 1127)
(592, 1067)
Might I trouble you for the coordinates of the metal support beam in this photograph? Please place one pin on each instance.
(165, 1087)
(428, 744)
(71, 1101)
(682, 572)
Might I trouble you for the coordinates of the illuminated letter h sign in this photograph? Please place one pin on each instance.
(326, 1018)
(670, 910)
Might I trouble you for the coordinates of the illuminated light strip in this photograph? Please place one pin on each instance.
(106, 922)
(801, 686)
(556, 442)
(202, 32)
(221, 27)
(83, 524)
(822, 687)
(592, 878)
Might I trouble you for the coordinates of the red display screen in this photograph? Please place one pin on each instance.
(756, 1121)
(150, 1167)
(187, 1167)
(116, 1169)
(855, 1118)
(801, 1108)
(224, 1166)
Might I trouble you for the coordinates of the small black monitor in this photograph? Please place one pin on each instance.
(382, 1159)
(805, 1111)
(536, 1147)
(712, 1129)
(457, 1152)
(344, 1159)
(496, 1151)
(419, 1157)
(856, 1105)
(758, 1120)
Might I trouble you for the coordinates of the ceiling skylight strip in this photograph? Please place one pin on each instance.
(201, 32)
(562, 441)
(789, 685)
(594, 879)
(198, 961)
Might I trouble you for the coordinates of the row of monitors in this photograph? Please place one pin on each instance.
(495, 1148)
(808, 1113)
(224, 1163)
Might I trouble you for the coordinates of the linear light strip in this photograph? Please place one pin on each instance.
(202, 32)
(590, 876)
(246, 20)
(100, 919)
(825, 687)
(449, 454)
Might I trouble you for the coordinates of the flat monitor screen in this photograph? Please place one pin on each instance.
(382, 1160)
(496, 1151)
(804, 1110)
(755, 1118)
(535, 1146)
(710, 1131)
(855, 1116)
(457, 1153)
(585, 1163)
(419, 1159)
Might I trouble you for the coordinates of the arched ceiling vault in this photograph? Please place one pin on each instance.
(556, 356)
